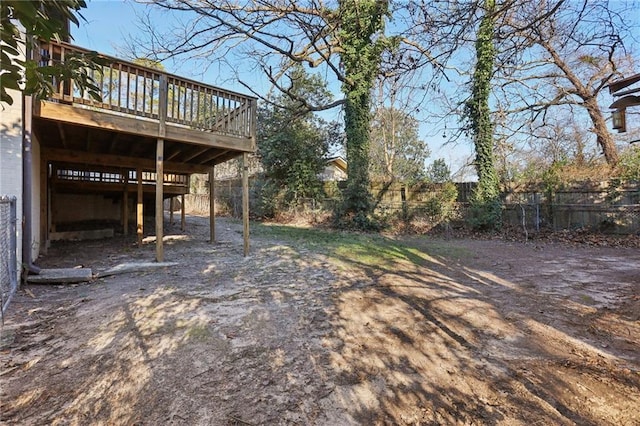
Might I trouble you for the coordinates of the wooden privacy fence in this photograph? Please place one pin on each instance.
(603, 206)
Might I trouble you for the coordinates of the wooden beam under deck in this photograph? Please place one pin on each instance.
(139, 126)
(69, 156)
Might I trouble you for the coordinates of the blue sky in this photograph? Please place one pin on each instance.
(111, 22)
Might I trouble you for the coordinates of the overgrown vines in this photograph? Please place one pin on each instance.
(362, 41)
(485, 201)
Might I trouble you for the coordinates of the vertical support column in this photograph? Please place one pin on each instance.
(139, 209)
(182, 217)
(159, 199)
(125, 204)
(212, 206)
(162, 117)
(171, 210)
(245, 201)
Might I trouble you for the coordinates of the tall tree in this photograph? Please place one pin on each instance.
(439, 171)
(559, 54)
(293, 143)
(344, 40)
(42, 20)
(485, 202)
(553, 57)
(397, 152)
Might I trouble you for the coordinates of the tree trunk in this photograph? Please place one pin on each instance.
(357, 120)
(361, 22)
(603, 136)
(485, 201)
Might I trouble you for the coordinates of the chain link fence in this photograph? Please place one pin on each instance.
(8, 247)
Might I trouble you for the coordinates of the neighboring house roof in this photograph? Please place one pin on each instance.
(335, 169)
(338, 162)
(625, 98)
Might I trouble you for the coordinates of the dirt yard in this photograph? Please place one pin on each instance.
(419, 332)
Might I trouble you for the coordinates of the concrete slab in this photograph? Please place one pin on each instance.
(61, 276)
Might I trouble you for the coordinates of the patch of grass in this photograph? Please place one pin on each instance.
(198, 333)
(371, 250)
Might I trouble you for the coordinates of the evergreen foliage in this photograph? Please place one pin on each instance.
(486, 208)
(362, 42)
(293, 145)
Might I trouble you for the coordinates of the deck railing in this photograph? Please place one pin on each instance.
(86, 174)
(134, 89)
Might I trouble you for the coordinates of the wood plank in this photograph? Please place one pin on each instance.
(159, 200)
(171, 210)
(140, 126)
(212, 206)
(182, 213)
(139, 209)
(69, 156)
(61, 276)
(245, 202)
(78, 187)
(91, 118)
(125, 204)
(213, 140)
(162, 106)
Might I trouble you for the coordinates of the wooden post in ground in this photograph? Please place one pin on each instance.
(162, 126)
(139, 209)
(245, 202)
(125, 204)
(159, 199)
(212, 205)
(171, 210)
(182, 217)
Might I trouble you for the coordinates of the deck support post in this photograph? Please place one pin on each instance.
(171, 210)
(125, 204)
(182, 218)
(212, 206)
(162, 130)
(139, 209)
(159, 199)
(245, 202)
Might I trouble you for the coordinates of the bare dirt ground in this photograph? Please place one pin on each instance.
(482, 332)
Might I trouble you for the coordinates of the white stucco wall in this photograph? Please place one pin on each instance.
(11, 158)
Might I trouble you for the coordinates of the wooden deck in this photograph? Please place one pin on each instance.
(148, 123)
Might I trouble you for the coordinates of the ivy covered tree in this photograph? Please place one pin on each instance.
(486, 208)
(342, 40)
(362, 41)
(42, 20)
(293, 143)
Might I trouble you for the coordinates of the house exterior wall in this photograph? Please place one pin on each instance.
(11, 133)
(332, 173)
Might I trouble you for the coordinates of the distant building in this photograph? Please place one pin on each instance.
(335, 170)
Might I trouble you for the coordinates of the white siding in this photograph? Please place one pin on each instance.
(11, 157)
